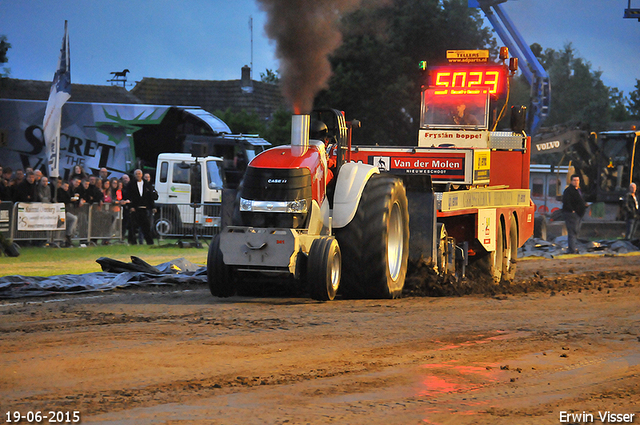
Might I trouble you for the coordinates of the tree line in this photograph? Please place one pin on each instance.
(376, 78)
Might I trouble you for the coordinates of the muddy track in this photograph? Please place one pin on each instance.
(564, 336)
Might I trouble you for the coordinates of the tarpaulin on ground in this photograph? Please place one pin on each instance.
(535, 247)
(115, 274)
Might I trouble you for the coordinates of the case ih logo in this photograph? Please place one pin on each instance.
(443, 167)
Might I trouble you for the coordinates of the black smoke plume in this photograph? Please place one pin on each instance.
(305, 32)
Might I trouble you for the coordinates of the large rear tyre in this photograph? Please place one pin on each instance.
(324, 268)
(221, 277)
(375, 244)
(511, 252)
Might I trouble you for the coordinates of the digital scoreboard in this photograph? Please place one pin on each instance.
(469, 79)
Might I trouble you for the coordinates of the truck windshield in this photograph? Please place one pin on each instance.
(215, 178)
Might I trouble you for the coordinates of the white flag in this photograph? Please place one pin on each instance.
(60, 93)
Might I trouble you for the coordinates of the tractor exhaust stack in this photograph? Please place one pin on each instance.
(300, 134)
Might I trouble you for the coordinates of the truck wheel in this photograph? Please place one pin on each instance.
(375, 244)
(511, 253)
(220, 276)
(324, 268)
(166, 222)
(540, 227)
(442, 257)
(493, 263)
(163, 227)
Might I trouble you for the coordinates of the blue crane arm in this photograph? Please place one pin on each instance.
(531, 68)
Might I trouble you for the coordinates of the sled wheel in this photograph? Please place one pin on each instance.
(511, 252)
(540, 227)
(493, 263)
(442, 257)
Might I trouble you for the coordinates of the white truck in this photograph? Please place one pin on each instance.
(189, 191)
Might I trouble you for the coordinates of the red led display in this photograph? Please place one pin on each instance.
(463, 78)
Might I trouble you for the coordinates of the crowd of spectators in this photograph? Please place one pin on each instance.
(82, 189)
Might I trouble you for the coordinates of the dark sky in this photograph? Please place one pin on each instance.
(210, 39)
(596, 29)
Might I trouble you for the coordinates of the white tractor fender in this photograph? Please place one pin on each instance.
(351, 181)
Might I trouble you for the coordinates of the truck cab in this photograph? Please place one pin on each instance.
(235, 150)
(189, 192)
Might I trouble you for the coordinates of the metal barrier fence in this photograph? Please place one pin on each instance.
(92, 223)
(177, 220)
(106, 222)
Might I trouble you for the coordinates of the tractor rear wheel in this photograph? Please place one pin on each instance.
(324, 268)
(221, 277)
(375, 244)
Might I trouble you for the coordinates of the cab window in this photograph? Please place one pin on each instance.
(215, 175)
(164, 171)
(180, 173)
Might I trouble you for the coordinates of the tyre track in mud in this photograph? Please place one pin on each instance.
(112, 400)
(404, 355)
(88, 319)
(109, 401)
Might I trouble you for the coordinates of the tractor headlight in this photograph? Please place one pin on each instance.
(298, 206)
(246, 204)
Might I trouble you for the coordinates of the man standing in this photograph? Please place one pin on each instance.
(5, 180)
(631, 211)
(103, 173)
(64, 196)
(43, 190)
(140, 195)
(96, 192)
(89, 194)
(573, 208)
(26, 189)
(3, 187)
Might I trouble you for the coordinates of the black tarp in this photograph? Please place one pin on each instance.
(115, 274)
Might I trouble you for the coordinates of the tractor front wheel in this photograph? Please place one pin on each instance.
(221, 277)
(324, 268)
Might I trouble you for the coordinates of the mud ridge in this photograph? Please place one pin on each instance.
(422, 281)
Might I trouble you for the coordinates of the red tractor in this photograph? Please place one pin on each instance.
(299, 211)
